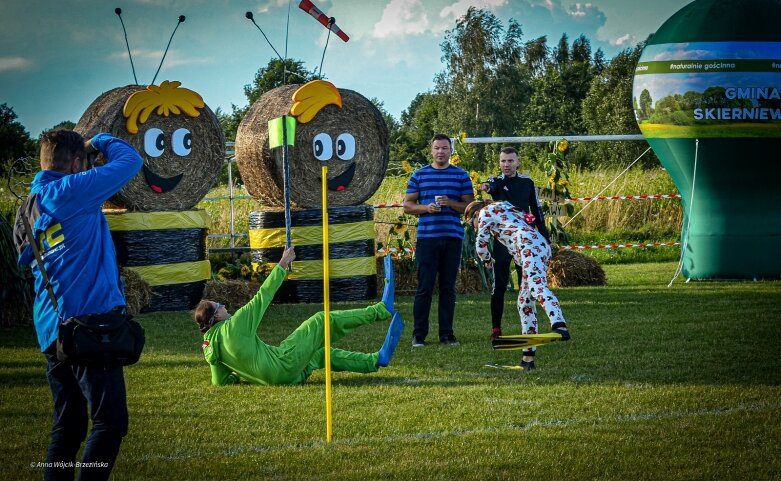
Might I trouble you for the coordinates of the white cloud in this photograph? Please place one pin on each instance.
(402, 17)
(14, 63)
(542, 3)
(623, 40)
(264, 8)
(458, 9)
(581, 10)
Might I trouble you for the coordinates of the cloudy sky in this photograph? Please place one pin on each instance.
(56, 57)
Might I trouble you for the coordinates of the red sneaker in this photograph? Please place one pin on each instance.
(495, 333)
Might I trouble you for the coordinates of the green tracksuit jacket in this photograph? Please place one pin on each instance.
(235, 352)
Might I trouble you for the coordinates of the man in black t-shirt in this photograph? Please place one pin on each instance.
(519, 190)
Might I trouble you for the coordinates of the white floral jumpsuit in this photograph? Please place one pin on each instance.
(531, 251)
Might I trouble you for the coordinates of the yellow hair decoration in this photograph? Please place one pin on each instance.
(167, 98)
(312, 97)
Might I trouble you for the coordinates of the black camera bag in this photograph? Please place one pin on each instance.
(111, 339)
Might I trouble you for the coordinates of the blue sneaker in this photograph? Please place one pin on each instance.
(388, 297)
(391, 340)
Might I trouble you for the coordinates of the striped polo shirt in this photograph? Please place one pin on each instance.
(429, 182)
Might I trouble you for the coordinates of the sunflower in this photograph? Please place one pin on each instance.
(475, 177)
(399, 228)
(455, 159)
(245, 271)
(562, 145)
(405, 165)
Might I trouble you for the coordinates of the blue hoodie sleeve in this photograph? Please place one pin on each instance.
(122, 164)
(94, 187)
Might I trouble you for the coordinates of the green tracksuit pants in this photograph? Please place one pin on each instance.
(236, 352)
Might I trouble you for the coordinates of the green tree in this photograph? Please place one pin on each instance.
(15, 141)
(646, 105)
(276, 74)
(550, 110)
(561, 83)
(417, 125)
(607, 109)
(65, 124)
(485, 82)
(536, 55)
(229, 122)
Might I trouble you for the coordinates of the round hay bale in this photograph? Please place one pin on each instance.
(352, 264)
(351, 181)
(183, 157)
(234, 293)
(137, 292)
(569, 268)
(406, 282)
(167, 250)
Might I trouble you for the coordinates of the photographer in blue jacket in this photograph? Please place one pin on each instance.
(79, 257)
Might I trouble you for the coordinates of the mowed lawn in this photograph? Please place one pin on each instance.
(658, 383)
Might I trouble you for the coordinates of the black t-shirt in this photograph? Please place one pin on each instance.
(520, 192)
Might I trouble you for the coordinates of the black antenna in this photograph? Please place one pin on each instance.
(181, 20)
(287, 32)
(252, 18)
(330, 24)
(118, 11)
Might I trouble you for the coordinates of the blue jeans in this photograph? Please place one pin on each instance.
(74, 388)
(436, 256)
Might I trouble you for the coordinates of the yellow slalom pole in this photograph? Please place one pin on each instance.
(327, 312)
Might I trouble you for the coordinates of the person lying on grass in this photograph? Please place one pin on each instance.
(235, 353)
(515, 229)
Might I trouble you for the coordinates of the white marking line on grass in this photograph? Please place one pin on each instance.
(183, 455)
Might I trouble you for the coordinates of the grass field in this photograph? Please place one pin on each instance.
(657, 384)
(723, 129)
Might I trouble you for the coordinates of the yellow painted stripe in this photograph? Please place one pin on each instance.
(311, 235)
(179, 273)
(132, 221)
(357, 266)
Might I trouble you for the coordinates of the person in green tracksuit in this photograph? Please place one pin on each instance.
(235, 353)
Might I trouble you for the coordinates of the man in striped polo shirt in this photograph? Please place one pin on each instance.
(438, 194)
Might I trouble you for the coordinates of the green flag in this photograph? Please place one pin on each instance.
(275, 134)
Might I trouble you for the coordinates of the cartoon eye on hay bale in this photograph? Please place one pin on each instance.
(338, 128)
(156, 232)
(156, 235)
(175, 132)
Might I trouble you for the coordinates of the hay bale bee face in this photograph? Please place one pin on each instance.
(340, 129)
(177, 135)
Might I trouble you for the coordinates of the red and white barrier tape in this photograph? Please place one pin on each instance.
(618, 246)
(409, 250)
(625, 197)
(382, 206)
(582, 199)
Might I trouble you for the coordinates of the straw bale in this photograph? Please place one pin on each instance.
(200, 169)
(137, 291)
(234, 293)
(406, 281)
(262, 169)
(570, 269)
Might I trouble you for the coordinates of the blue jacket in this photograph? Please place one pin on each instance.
(75, 241)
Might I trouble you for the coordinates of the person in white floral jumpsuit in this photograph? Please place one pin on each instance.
(515, 229)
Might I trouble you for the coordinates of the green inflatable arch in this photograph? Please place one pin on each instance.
(707, 98)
